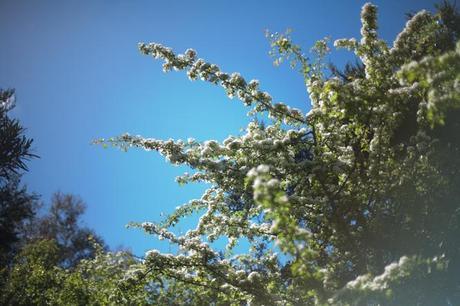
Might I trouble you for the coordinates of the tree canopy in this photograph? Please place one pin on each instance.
(354, 203)
(62, 224)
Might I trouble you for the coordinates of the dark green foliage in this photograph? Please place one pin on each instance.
(17, 206)
(15, 147)
(350, 72)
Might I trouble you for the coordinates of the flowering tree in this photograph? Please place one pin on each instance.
(360, 194)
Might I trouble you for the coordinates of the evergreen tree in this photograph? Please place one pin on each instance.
(17, 206)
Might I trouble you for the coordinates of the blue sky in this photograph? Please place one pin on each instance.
(79, 76)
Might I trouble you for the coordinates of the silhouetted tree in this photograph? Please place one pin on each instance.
(15, 147)
(17, 206)
(62, 223)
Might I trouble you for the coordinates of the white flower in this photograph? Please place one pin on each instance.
(263, 168)
(253, 276)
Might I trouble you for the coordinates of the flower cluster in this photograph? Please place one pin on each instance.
(234, 84)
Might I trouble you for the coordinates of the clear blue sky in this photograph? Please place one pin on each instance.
(79, 76)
